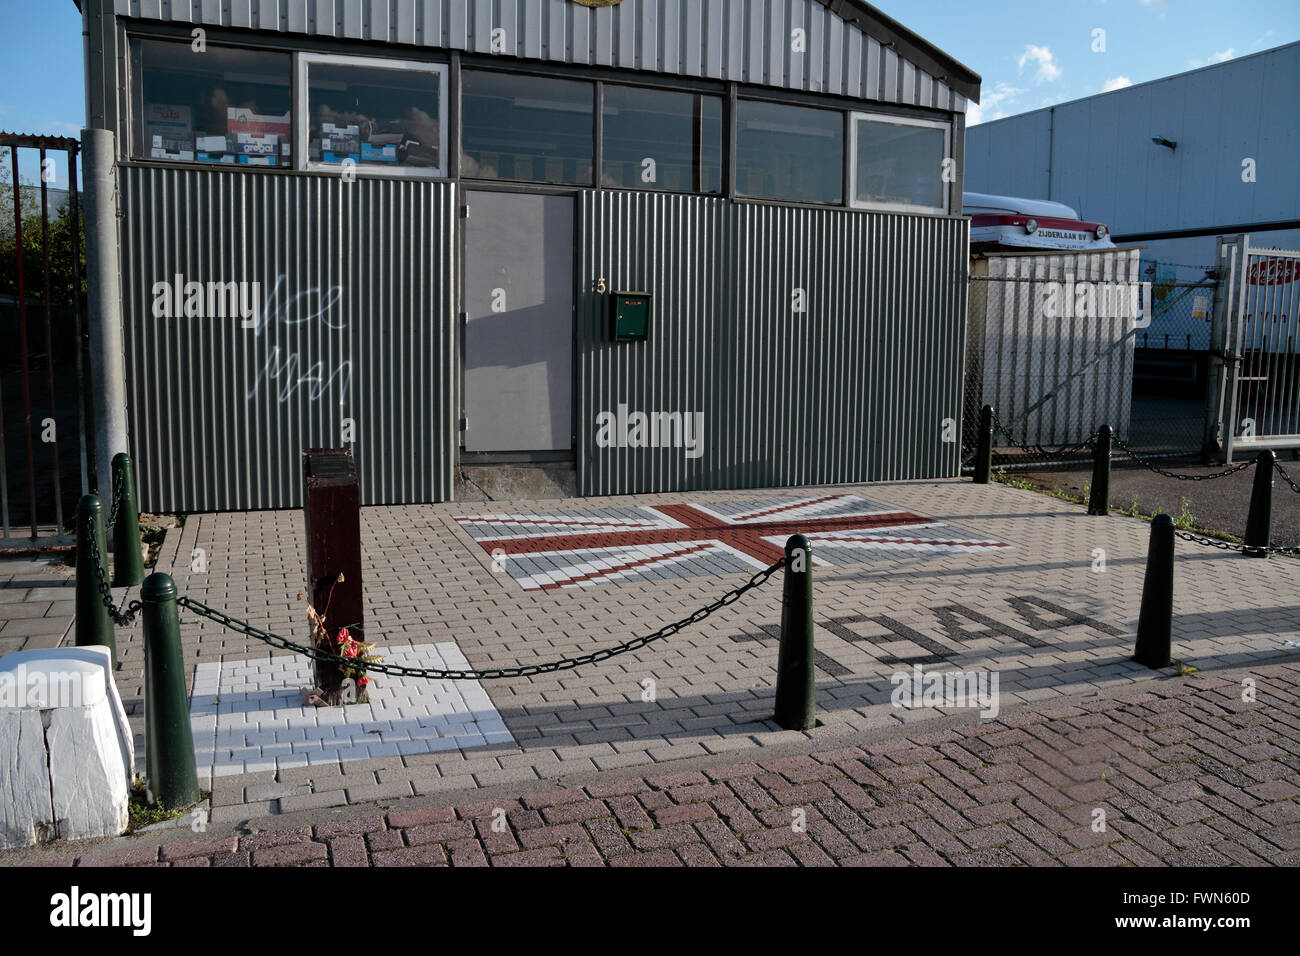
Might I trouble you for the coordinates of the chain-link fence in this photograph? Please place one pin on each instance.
(1057, 352)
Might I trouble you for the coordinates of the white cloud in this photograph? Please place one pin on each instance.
(1047, 71)
(1118, 83)
(1157, 6)
(1000, 96)
(1220, 57)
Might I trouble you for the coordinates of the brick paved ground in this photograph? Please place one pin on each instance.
(36, 603)
(427, 582)
(1186, 772)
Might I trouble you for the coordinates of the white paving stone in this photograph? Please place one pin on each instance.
(248, 715)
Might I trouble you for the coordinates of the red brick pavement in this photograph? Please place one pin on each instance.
(1186, 772)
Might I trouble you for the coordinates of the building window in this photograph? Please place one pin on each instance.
(526, 128)
(657, 139)
(789, 152)
(373, 114)
(898, 163)
(224, 105)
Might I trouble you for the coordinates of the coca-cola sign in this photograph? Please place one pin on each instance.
(1274, 271)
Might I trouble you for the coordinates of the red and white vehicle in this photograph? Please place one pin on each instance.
(999, 223)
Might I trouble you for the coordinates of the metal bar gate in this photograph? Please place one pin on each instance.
(1259, 405)
(42, 309)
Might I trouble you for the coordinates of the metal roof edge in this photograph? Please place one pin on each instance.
(910, 46)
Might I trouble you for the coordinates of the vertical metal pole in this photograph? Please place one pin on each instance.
(1242, 275)
(1099, 493)
(128, 562)
(984, 450)
(93, 626)
(78, 314)
(49, 348)
(1259, 525)
(169, 743)
(796, 684)
(108, 373)
(1155, 619)
(22, 343)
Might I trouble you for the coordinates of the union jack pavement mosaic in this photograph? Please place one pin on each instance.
(582, 549)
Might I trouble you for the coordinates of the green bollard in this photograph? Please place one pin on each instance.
(172, 780)
(1099, 494)
(1155, 619)
(128, 562)
(984, 451)
(94, 626)
(796, 685)
(1259, 526)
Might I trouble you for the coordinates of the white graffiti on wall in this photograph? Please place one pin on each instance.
(284, 369)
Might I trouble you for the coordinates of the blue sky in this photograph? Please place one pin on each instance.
(1030, 53)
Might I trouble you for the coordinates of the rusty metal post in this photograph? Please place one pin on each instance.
(332, 515)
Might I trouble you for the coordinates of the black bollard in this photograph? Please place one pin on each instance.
(1099, 494)
(1259, 526)
(128, 561)
(93, 625)
(169, 742)
(796, 685)
(984, 450)
(1155, 619)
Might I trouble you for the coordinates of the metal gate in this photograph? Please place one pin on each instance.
(1259, 405)
(44, 453)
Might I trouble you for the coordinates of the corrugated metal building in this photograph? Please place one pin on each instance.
(682, 244)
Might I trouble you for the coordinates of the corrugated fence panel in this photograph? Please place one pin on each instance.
(750, 41)
(350, 334)
(854, 387)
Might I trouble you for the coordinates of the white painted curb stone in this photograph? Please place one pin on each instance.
(66, 752)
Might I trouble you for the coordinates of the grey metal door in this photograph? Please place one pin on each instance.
(519, 323)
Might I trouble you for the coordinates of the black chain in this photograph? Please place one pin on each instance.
(1230, 546)
(527, 670)
(1039, 449)
(1149, 464)
(1285, 477)
(116, 503)
(124, 617)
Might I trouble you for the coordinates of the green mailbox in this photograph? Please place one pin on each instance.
(629, 316)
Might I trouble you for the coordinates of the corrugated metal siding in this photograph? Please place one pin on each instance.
(212, 423)
(749, 41)
(1017, 354)
(854, 389)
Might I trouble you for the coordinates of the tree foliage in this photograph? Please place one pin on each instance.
(67, 253)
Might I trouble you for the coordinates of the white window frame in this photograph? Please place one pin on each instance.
(302, 105)
(897, 121)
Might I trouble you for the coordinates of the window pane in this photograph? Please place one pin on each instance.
(374, 116)
(220, 106)
(656, 139)
(526, 128)
(899, 164)
(789, 152)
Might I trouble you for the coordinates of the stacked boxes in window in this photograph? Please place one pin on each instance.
(213, 149)
(169, 131)
(340, 143)
(257, 140)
